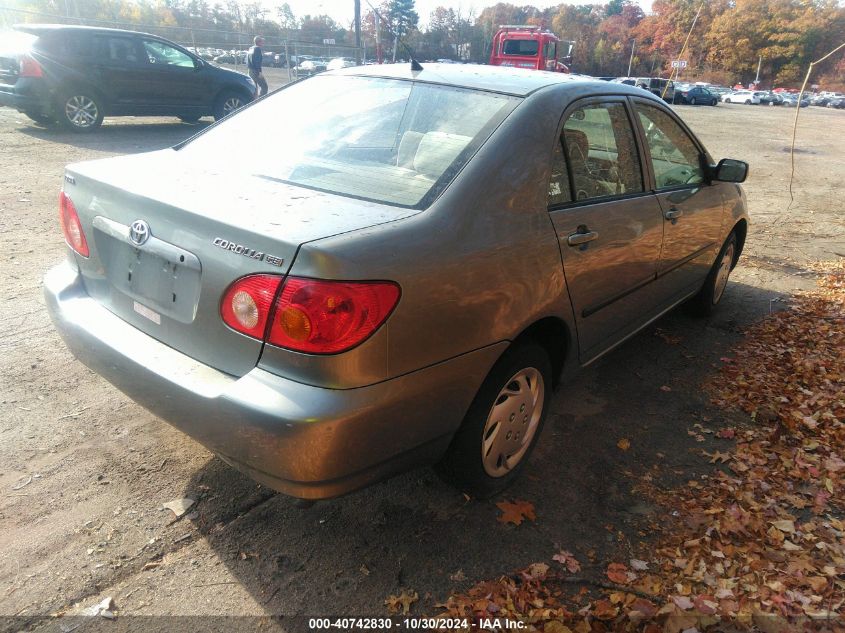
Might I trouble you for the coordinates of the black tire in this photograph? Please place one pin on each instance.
(40, 117)
(189, 118)
(80, 110)
(692, 101)
(711, 293)
(713, 102)
(228, 102)
(748, 102)
(727, 100)
(463, 464)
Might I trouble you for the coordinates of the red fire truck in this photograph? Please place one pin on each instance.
(523, 46)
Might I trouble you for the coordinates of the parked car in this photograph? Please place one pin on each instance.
(791, 101)
(696, 95)
(340, 62)
(663, 88)
(77, 75)
(393, 291)
(747, 97)
(771, 98)
(312, 66)
(838, 103)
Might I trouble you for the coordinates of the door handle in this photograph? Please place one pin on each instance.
(577, 239)
(673, 213)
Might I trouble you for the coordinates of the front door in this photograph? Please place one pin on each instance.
(692, 209)
(609, 227)
(173, 80)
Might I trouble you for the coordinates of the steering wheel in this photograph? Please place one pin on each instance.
(680, 175)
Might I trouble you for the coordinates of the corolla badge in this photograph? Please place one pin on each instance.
(139, 232)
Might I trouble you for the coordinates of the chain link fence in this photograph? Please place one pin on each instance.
(300, 58)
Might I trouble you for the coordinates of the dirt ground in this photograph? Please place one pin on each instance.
(84, 471)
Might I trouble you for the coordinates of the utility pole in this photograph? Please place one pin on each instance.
(358, 32)
(631, 61)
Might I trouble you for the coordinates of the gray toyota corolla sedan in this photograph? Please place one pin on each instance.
(378, 268)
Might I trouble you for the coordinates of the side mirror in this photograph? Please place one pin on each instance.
(730, 170)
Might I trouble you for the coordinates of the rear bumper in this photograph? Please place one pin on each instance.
(26, 95)
(302, 440)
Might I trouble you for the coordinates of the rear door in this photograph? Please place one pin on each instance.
(114, 60)
(609, 226)
(692, 208)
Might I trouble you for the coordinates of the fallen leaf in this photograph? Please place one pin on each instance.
(568, 560)
(624, 444)
(618, 573)
(516, 512)
(401, 604)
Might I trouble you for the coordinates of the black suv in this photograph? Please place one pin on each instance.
(76, 75)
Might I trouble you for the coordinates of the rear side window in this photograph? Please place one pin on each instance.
(15, 42)
(120, 50)
(599, 146)
(526, 48)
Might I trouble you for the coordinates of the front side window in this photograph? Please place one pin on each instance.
(525, 48)
(161, 53)
(675, 159)
(599, 145)
(391, 141)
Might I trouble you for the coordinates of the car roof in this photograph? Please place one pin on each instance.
(513, 81)
(43, 29)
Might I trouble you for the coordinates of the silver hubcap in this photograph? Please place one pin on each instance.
(81, 111)
(512, 422)
(724, 273)
(231, 104)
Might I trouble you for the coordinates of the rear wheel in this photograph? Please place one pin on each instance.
(748, 102)
(692, 101)
(80, 110)
(503, 423)
(705, 302)
(227, 103)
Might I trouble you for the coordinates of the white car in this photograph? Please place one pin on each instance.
(340, 62)
(747, 97)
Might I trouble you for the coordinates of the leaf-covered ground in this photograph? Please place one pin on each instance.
(760, 543)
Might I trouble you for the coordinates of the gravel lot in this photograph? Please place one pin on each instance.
(84, 471)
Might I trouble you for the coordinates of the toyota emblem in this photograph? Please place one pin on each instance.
(139, 232)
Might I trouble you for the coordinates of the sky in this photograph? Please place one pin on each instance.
(342, 10)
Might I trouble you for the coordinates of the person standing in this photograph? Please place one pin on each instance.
(254, 61)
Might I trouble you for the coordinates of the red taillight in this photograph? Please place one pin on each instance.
(71, 226)
(29, 67)
(247, 303)
(327, 317)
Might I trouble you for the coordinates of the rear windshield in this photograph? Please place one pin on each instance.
(390, 141)
(527, 48)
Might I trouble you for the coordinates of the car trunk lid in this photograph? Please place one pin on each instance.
(167, 239)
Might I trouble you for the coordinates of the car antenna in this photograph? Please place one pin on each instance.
(415, 65)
